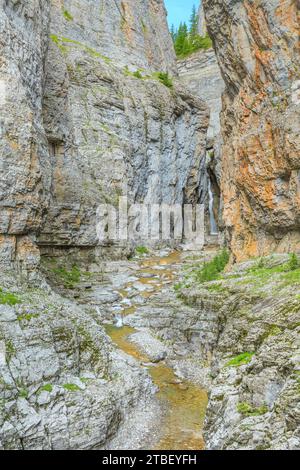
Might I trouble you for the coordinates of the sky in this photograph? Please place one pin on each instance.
(180, 10)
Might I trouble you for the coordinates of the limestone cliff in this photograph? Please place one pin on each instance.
(200, 73)
(25, 167)
(257, 45)
(87, 117)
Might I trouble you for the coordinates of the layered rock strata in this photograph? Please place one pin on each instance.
(87, 116)
(200, 73)
(257, 45)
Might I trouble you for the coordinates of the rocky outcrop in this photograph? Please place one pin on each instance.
(62, 384)
(257, 45)
(254, 362)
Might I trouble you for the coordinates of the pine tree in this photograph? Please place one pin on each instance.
(186, 39)
(173, 33)
(194, 22)
(181, 39)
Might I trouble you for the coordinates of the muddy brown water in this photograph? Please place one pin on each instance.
(185, 402)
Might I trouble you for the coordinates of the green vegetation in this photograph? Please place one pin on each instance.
(187, 40)
(141, 250)
(27, 316)
(178, 287)
(67, 15)
(23, 393)
(88, 345)
(10, 349)
(240, 360)
(69, 278)
(286, 274)
(71, 387)
(7, 298)
(46, 388)
(85, 380)
(211, 270)
(165, 79)
(247, 410)
(162, 77)
(63, 43)
(293, 263)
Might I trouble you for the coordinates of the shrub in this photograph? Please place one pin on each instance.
(46, 388)
(141, 250)
(211, 270)
(293, 262)
(165, 79)
(247, 410)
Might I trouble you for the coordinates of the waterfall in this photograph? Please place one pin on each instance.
(212, 220)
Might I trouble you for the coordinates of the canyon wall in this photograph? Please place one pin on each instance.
(257, 46)
(86, 117)
(200, 73)
(25, 168)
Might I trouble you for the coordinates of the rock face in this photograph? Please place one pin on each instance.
(200, 73)
(257, 45)
(25, 168)
(202, 28)
(85, 116)
(62, 384)
(93, 119)
(253, 355)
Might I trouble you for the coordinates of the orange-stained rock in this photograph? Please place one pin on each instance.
(257, 44)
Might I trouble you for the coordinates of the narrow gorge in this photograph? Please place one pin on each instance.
(119, 343)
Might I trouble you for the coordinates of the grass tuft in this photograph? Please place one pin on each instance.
(210, 271)
(165, 79)
(69, 278)
(141, 250)
(247, 410)
(67, 15)
(240, 360)
(7, 298)
(71, 387)
(46, 388)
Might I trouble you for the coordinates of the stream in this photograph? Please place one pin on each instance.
(185, 403)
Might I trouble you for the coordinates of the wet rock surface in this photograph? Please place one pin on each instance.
(237, 337)
(63, 385)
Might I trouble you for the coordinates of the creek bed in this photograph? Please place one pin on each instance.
(185, 403)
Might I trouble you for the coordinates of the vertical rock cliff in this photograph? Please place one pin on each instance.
(94, 118)
(257, 45)
(119, 114)
(201, 74)
(25, 168)
(86, 115)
